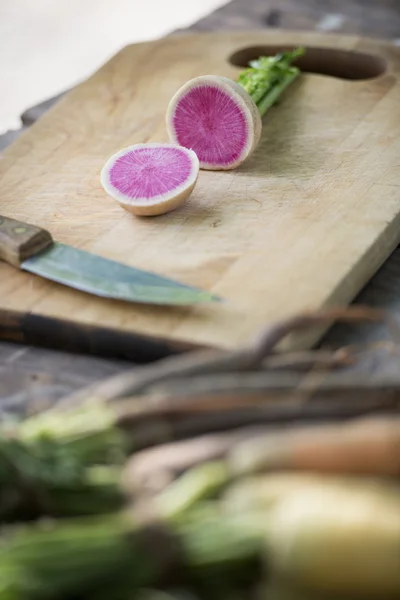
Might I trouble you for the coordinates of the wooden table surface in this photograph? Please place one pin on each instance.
(31, 375)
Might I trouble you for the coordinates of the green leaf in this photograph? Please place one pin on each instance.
(267, 77)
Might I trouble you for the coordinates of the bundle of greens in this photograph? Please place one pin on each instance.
(335, 536)
(156, 487)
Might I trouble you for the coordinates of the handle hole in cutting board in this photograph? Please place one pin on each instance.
(342, 64)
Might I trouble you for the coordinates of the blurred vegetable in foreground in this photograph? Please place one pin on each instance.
(277, 509)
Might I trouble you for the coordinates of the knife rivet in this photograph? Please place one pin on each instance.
(20, 230)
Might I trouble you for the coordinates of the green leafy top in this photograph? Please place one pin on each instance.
(269, 72)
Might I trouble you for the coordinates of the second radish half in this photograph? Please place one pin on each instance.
(221, 119)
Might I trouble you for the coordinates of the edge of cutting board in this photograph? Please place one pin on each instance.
(107, 342)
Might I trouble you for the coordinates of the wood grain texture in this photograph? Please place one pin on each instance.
(304, 223)
(32, 379)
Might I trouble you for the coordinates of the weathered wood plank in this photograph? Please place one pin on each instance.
(383, 292)
(375, 18)
(33, 378)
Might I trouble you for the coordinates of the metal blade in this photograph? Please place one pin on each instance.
(103, 277)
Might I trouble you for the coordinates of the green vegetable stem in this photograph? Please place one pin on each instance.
(268, 76)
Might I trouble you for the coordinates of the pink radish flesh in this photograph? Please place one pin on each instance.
(150, 178)
(205, 119)
(216, 118)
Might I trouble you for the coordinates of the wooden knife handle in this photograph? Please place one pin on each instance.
(19, 241)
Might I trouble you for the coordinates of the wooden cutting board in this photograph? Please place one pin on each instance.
(303, 224)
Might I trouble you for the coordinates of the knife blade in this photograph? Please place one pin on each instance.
(31, 248)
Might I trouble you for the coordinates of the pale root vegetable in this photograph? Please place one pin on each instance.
(261, 493)
(343, 541)
(221, 119)
(276, 589)
(151, 470)
(327, 534)
(151, 179)
(217, 119)
(365, 446)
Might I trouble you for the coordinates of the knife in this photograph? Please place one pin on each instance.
(33, 249)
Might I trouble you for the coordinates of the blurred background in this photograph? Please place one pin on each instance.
(47, 46)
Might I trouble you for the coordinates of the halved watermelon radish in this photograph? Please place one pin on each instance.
(221, 119)
(152, 178)
(217, 118)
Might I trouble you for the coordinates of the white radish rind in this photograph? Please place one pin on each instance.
(217, 118)
(151, 178)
